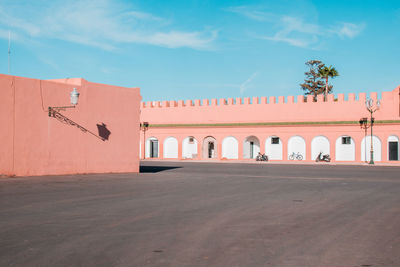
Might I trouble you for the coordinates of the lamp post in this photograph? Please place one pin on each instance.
(74, 97)
(372, 107)
(144, 127)
(364, 125)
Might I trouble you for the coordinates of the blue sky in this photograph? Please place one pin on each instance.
(192, 49)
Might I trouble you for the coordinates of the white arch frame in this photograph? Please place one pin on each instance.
(366, 148)
(147, 146)
(274, 151)
(345, 152)
(297, 144)
(230, 148)
(189, 150)
(247, 147)
(319, 144)
(393, 138)
(170, 148)
(204, 148)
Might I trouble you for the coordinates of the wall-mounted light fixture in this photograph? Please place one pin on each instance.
(74, 97)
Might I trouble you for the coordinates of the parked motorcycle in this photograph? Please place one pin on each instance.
(261, 157)
(322, 157)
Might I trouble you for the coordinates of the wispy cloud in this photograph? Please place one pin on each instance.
(244, 86)
(297, 32)
(348, 30)
(251, 13)
(104, 24)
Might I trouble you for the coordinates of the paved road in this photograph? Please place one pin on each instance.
(204, 214)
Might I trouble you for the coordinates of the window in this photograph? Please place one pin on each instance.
(275, 140)
(191, 140)
(346, 140)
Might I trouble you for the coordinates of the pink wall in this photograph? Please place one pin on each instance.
(208, 118)
(383, 131)
(276, 110)
(32, 143)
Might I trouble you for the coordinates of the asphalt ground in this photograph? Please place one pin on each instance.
(204, 214)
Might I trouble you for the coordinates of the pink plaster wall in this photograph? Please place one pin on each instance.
(276, 110)
(32, 143)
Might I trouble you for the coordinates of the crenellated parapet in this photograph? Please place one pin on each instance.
(338, 107)
(300, 99)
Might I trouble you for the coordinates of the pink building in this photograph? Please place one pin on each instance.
(238, 128)
(101, 134)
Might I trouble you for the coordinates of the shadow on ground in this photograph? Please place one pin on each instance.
(154, 169)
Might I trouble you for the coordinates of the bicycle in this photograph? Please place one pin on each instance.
(294, 156)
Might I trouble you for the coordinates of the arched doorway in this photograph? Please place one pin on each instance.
(189, 148)
(152, 148)
(251, 147)
(393, 147)
(297, 145)
(345, 149)
(366, 148)
(230, 148)
(170, 148)
(209, 148)
(273, 148)
(319, 144)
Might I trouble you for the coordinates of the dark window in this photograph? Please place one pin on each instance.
(346, 140)
(275, 140)
(191, 140)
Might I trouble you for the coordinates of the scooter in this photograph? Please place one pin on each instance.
(321, 157)
(261, 157)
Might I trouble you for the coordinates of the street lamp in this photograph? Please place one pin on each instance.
(364, 125)
(74, 97)
(144, 127)
(372, 107)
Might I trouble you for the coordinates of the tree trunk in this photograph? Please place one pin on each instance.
(326, 89)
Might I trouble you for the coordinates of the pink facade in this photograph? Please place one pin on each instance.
(238, 128)
(101, 134)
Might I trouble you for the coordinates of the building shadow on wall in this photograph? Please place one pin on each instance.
(104, 133)
(154, 169)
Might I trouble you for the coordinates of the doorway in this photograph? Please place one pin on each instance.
(211, 150)
(153, 148)
(251, 150)
(393, 150)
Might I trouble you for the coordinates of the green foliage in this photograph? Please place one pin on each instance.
(325, 73)
(313, 82)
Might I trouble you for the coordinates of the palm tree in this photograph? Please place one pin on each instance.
(327, 72)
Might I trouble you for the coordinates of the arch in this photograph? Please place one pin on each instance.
(210, 148)
(366, 148)
(297, 144)
(230, 148)
(152, 147)
(393, 147)
(273, 148)
(170, 148)
(345, 148)
(319, 144)
(251, 147)
(189, 148)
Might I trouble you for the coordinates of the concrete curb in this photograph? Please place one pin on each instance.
(397, 164)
